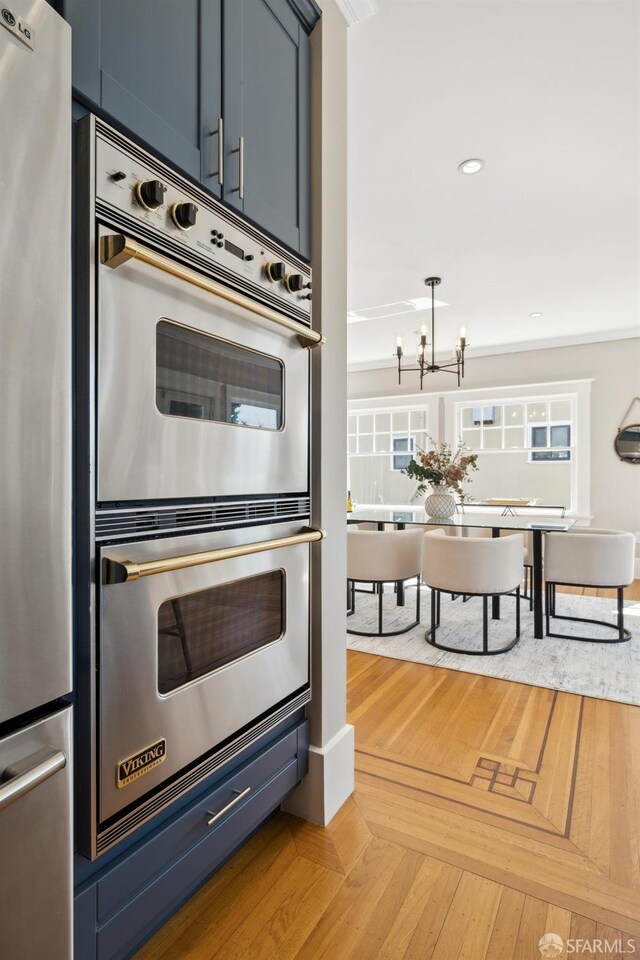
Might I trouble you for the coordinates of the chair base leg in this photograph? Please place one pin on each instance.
(378, 589)
(431, 634)
(623, 635)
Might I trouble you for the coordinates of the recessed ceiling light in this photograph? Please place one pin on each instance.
(471, 166)
(536, 315)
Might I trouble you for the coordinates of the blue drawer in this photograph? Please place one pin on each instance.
(140, 867)
(131, 897)
(127, 930)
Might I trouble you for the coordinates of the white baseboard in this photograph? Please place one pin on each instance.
(330, 781)
(637, 568)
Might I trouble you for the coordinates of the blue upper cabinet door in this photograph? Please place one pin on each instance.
(147, 65)
(266, 111)
(211, 122)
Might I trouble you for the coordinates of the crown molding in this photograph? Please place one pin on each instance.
(548, 343)
(355, 11)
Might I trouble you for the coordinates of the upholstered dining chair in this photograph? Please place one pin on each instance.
(379, 557)
(588, 557)
(472, 566)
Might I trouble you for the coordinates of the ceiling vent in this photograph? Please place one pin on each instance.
(397, 309)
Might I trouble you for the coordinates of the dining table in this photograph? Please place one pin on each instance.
(537, 526)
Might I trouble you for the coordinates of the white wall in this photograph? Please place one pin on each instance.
(615, 369)
(331, 761)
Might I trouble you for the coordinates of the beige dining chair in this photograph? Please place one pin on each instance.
(473, 567)
(379, 557)
(588, 557)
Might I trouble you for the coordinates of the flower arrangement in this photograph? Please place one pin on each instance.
(443, 467)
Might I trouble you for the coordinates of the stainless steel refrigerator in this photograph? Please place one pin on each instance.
(35, 483)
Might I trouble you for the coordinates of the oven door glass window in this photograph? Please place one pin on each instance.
(201, 632)
(203, 378)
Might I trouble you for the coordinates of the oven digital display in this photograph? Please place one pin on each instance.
(236, 251)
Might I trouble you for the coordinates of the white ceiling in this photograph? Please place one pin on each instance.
(547, 92)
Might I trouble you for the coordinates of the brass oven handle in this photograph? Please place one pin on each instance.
(239, 795)
(23, 783)
(116, 249)
(122, 571)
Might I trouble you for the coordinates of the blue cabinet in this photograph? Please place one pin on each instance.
(267, 90)
(158, 68)
(119, 906)
(142, 64)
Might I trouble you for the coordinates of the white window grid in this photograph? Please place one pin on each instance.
(525, 426)
(377, 440)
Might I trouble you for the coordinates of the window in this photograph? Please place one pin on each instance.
(402, 462)
(550, 437)
(525, 447)
(483, 415)
(381, 443)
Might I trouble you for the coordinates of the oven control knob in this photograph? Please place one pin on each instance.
(275, 271)
(294, 282)
(150, 194)
(184, 215)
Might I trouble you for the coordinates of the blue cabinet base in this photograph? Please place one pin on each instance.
(122, 905)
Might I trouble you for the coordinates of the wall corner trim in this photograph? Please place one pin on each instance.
(329, 782)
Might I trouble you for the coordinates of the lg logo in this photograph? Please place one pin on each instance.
(18, 27)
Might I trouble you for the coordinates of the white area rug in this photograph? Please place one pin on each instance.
(608, 671)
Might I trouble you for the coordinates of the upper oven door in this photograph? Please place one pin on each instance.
(211, 635)
(196, 396)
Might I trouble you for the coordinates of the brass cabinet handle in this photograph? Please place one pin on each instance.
(219, 133)
(239, 795)
(116, 249)
(16, 787)
(240, 151)
(122, 571)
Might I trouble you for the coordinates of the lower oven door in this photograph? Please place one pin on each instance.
(197, 396)
(209, 637)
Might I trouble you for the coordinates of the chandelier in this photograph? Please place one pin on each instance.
(425, 364)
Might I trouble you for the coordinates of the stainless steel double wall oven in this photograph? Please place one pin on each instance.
(193, 370)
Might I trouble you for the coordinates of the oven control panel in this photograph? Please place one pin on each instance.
(161, 200)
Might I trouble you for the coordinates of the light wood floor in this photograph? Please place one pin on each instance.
(486, 814)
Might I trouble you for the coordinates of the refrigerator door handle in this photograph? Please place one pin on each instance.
(22, 783)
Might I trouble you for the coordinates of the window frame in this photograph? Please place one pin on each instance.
(421, 404)
(578, 392)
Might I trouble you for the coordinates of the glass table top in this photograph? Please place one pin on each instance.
(466, 519)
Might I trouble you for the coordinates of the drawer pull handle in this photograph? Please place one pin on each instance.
(219, 133)
(117, 248)
(239, 795)
(14, 787)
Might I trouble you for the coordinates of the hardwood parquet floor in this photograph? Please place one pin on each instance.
(486, 814)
